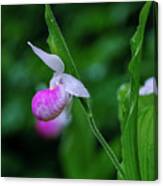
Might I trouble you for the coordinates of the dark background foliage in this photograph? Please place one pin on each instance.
(98, 36)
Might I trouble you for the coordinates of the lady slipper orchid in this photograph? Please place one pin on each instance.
(52, 128)
(49, 103)
(149, 87)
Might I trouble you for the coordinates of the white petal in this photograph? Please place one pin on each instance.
(73, 86)
(149, 87)
(53, 61)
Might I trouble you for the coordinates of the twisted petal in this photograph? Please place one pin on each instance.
(149, 87)
(73, 86)
(52, 61)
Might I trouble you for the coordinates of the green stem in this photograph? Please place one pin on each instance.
(112, 156)
(58, 46)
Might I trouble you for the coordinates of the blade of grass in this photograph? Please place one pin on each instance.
(129, 132)
(58, 46)
(147, 142)
(57, 43)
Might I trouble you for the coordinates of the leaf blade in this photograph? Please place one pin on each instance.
(57, 43)
(147, 140)
(129, 132)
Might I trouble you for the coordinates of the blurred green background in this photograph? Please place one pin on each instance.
(98, 36)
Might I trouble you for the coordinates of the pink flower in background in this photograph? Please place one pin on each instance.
(50, 105)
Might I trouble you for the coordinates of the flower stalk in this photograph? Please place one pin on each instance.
(58, 46)
(110, 153)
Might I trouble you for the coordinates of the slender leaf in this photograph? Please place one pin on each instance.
(147, 140)
(57, 43)
(129, 133)
(123, 99)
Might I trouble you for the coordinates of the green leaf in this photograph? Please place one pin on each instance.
(123, 99)
(123, 94)
(57, 43)
(147, 137)
(146, 131)
(129, 132)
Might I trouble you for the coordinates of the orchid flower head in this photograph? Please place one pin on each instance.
(49, 103)
(149, 87)
(72, 85)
